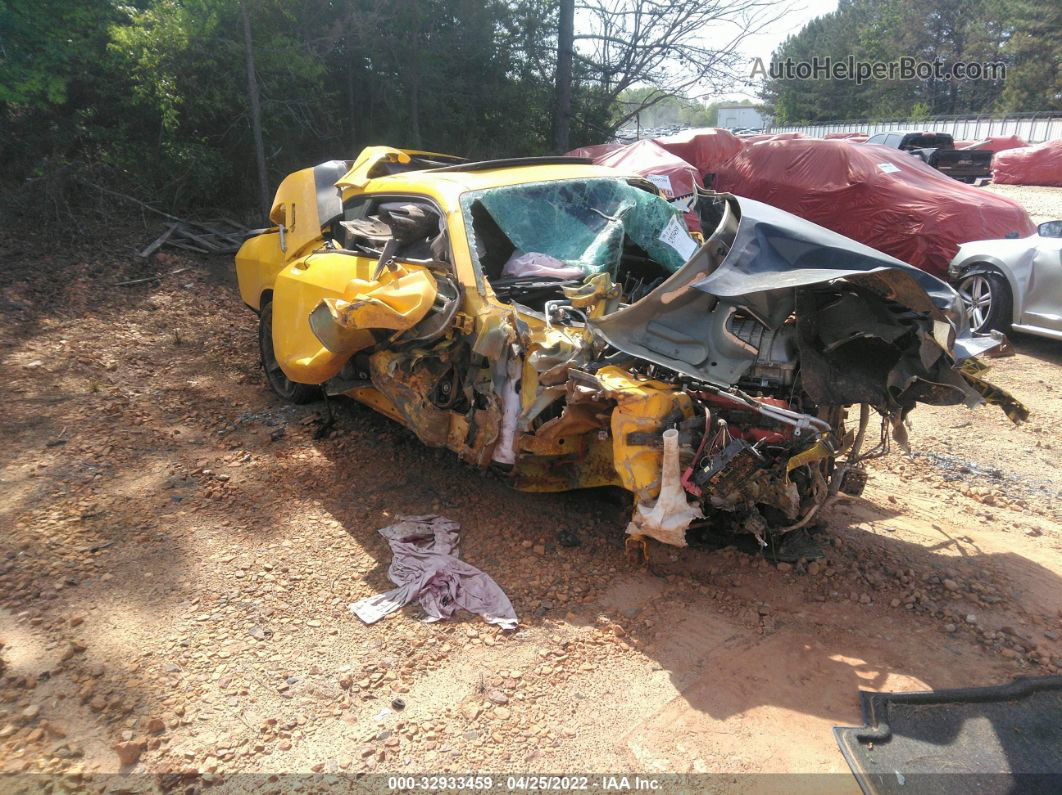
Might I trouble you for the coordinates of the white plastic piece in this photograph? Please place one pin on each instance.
(669, 517)
(505, 449)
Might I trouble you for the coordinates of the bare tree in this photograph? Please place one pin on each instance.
(676, 48)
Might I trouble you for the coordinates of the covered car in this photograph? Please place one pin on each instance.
(594, 151)
(555, 321)
(877, 195)
(1029, 165)
(676, 179)
(993, 143)
(759, 137)
(704, 149)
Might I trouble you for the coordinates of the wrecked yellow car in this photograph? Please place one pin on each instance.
(556, 320)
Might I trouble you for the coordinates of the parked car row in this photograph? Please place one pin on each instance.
(938, 150)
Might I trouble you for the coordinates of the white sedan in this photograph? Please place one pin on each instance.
(1013, 283)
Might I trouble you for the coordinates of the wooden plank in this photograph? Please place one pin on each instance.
(210, 230)
(147, 252)
(187, 246)
(185, 232)
(225, 237)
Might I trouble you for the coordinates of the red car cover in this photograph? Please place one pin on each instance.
(704, 149)
(877, 195)
(594, 151)
(1030, 165)
(757, 138)
(993, 143)
(831, 136)
(676, 178)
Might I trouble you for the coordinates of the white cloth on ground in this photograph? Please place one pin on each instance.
(425, 566)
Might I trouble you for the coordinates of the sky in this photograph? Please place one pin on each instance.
(759, 45)
(763, 44)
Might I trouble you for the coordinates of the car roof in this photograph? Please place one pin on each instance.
(450, 183)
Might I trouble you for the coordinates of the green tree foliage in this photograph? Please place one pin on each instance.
(152, 95)
(1035, 52)
(1024, 35)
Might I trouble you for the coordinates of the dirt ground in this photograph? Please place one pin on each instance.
(178, 550)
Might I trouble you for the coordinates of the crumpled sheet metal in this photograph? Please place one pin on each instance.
(642, 406)
(426, 568)
(397, 301)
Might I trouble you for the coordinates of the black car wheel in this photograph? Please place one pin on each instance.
(986, 296)
(290, 390)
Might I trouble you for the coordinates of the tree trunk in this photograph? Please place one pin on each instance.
(414, 78)
(562, 99)
(352, 127)
(414, 109)
(256, 112)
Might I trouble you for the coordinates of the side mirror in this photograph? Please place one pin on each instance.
(1050, 229)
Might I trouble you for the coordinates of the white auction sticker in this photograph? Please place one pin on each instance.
(676, 236)
(888, 168)
(662, 181)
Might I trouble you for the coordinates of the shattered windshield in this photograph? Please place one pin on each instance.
(569, 229)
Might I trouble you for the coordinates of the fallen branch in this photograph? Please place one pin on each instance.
(145, 205)
(149, 278)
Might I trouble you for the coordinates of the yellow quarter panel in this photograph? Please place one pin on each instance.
(258, 262)
(337, 278)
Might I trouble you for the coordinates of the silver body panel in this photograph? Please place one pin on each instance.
(1033, 268)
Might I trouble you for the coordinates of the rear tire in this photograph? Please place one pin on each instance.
(283, 386)
(987, 299)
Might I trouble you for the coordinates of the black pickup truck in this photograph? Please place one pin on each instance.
(938, 149)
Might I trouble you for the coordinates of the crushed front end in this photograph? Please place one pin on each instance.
(742, 391)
